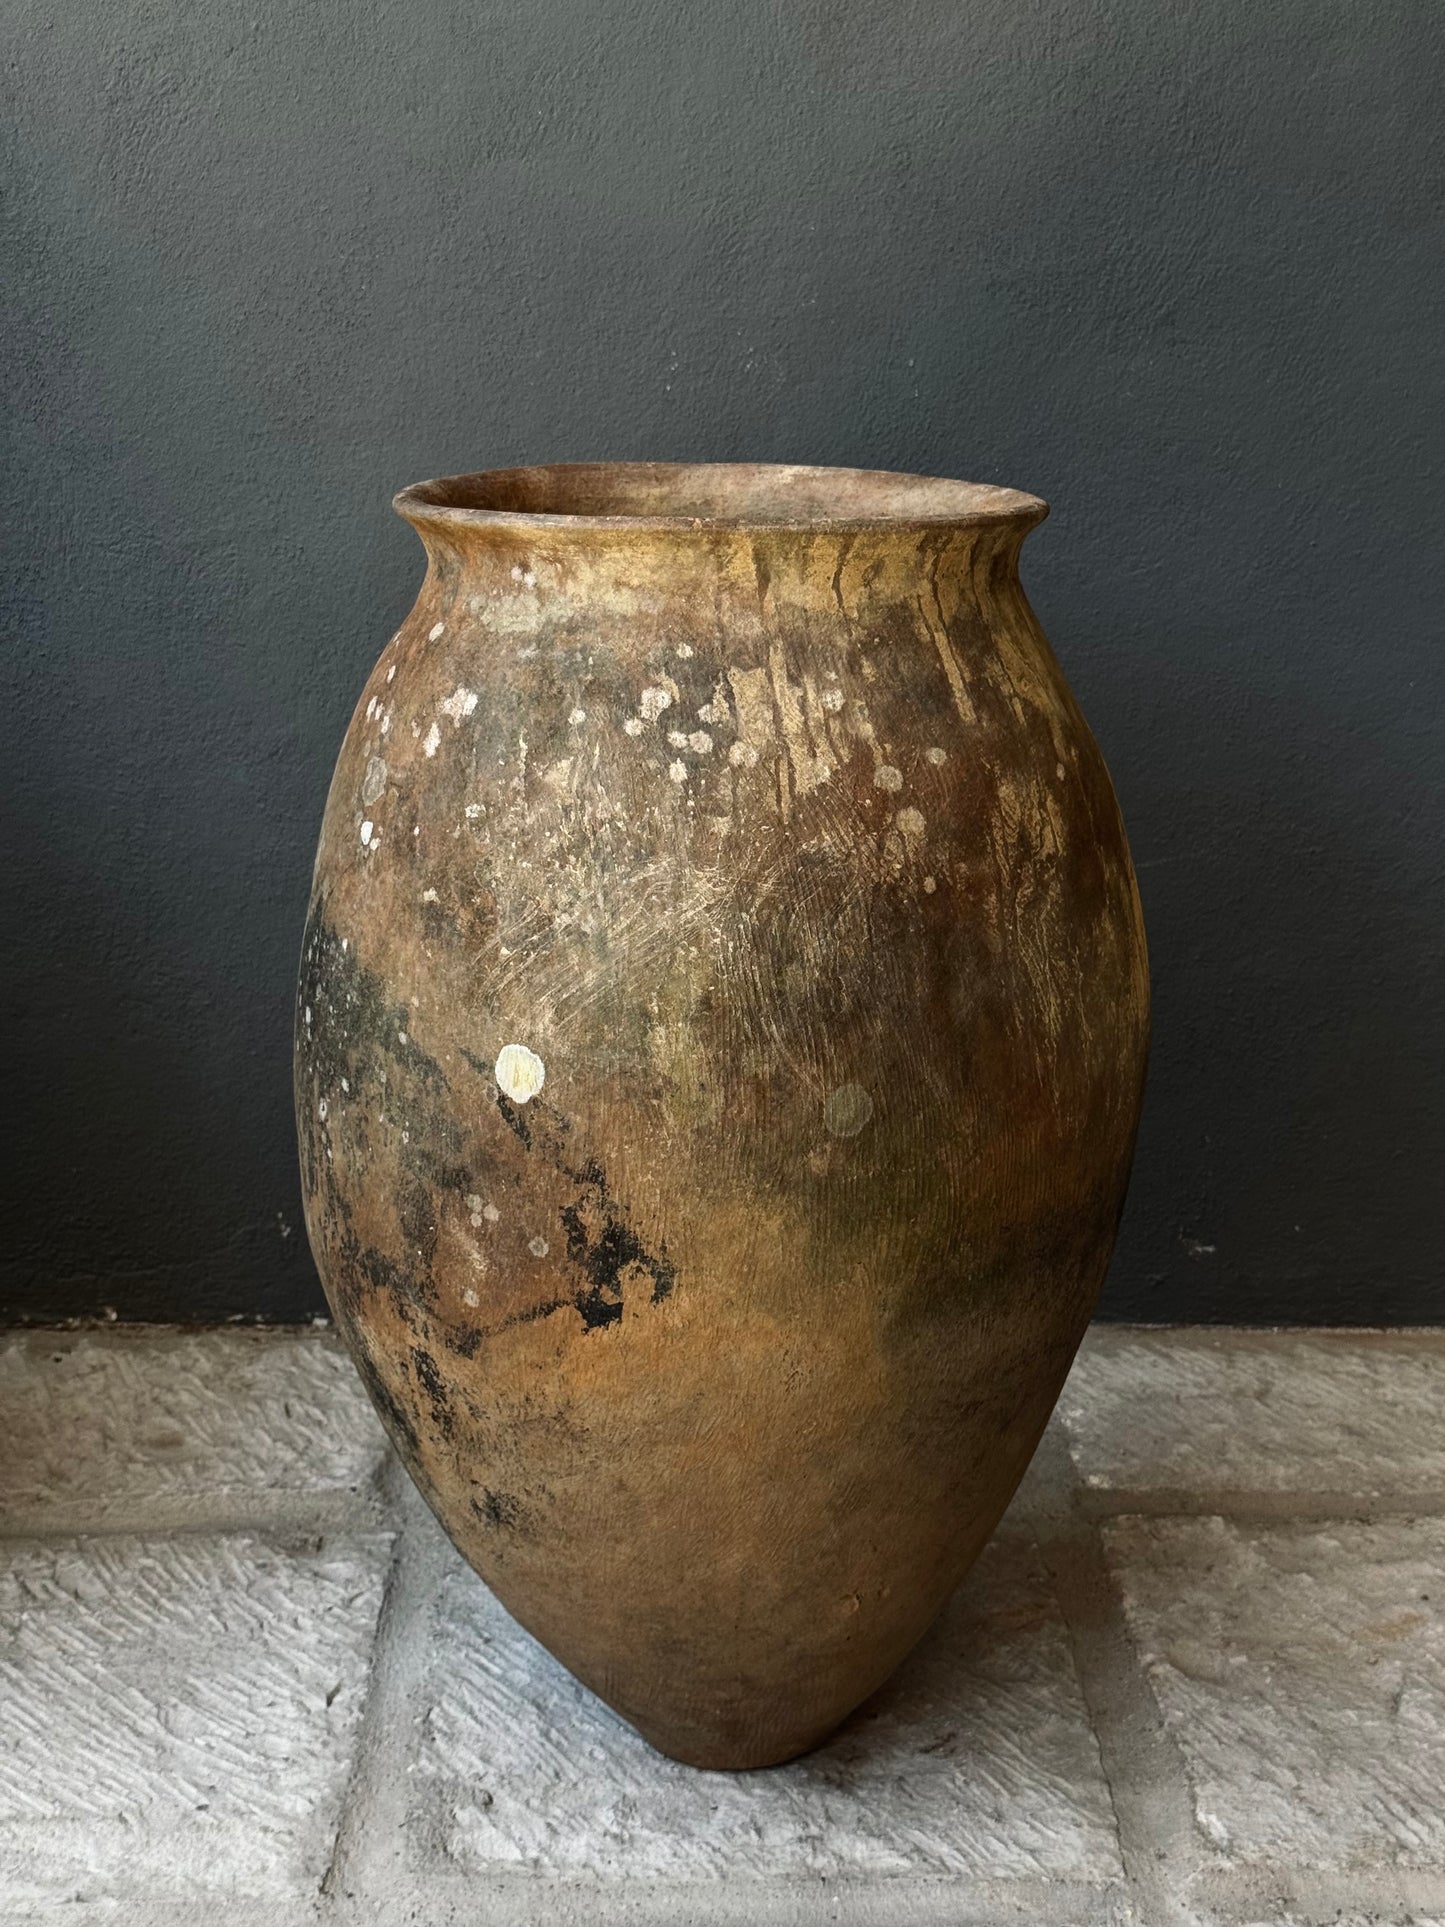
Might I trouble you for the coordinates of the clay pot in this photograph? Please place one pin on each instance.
(720, 1037)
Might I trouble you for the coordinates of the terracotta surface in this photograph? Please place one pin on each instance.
(720, 1038)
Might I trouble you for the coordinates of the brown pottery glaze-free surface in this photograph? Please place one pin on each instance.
(720, 1038)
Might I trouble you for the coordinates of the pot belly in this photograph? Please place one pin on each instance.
(718, 1317)
(713, 1136)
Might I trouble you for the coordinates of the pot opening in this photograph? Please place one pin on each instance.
(715, 494)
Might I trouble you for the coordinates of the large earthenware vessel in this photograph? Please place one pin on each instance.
(719, 1043)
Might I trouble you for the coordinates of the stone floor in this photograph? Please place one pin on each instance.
(1198, 1677)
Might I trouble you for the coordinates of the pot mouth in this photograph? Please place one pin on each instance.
(709, 495)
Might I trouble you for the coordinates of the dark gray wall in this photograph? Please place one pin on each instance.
(1176, 268)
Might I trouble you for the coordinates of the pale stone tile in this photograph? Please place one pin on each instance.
(978, 1759)
(178, 1714)
(1269, 1412)
(1302, 1673)
(132, 1425)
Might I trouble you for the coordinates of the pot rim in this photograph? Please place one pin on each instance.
(768, 496)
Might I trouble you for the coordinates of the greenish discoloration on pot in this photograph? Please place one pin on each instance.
(719, 1045)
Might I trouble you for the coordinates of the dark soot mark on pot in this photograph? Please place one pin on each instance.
(396, 1418)
(497, 1509)
(600, 1240)
(429, 1377)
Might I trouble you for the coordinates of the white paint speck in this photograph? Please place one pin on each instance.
(678, 738)
(308, 1016)
(700, 743)
(516, 571)
(831, 699)
(470, 1298)
(929, 885)
(677, 772)
(433, 740)
(1059, 771)
(371, 709)
(490, 1213)
(653, 701)
(375, 842)
(429, 896)
(529, 581)
(436, 632)
(461, 702)
(366, 832)
(520, 1072)
(935, 755)
(402, 1038)
(374, 783)
(321, 1110)
(684, 649)
(743, 755)
(345, 1084)
(577, 718)
(633, 726)
(391, 673)
(537, 1247)
(912, 823)
(713, 713)
(885, 777)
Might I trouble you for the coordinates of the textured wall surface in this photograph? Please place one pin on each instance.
(1174, 269)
